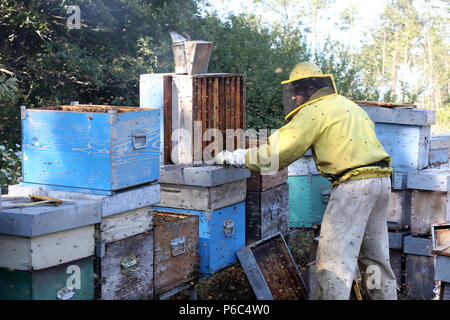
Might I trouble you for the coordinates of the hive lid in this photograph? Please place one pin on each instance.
(32, 221)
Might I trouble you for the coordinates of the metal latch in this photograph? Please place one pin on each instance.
(178, 246)
(274, 211)
(326, 196)
(228, 228)
(129, 263)
(65, 294)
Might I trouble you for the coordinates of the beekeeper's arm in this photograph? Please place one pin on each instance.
(285, 146)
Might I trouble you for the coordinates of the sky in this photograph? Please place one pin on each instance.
(368, 13)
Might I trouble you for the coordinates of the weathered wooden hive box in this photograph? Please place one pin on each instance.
(221, 234)
(441, 251)
(95, 149)
(195, 103)
(124, 256)
(430, 199)
(399, 212)
(396, 256)
(262, 182)
(439, 151)
(121, 201)
(419, 267)
(46, 251)
(404, 134)
(176, 254)
(202, 188)
(266, 213)
(123, 239)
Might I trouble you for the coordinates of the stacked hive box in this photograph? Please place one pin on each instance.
(266, 206)
(217, 196)
(405, 135)
(441, 250)
(430, 206)
(46, 251)
(176, 252)
(109, 155)
(309, 193)
(123, 238)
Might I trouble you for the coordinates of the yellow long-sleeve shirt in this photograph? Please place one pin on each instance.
(340, 134)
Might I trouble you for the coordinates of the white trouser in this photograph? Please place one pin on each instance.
(354, 229)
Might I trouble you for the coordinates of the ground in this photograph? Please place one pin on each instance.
(232, 284)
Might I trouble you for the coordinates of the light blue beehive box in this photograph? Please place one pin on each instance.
(221, 234)
(92, 152)
(404, 134)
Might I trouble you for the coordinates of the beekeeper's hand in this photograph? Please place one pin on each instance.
(235, 158)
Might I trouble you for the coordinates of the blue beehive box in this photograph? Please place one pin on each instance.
(221, 234)
(404, 134)
(92, 149)
(308, 198)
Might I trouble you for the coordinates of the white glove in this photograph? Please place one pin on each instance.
(235, 158)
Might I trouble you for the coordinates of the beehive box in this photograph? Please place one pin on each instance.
(271, 270)
(430, 199)
(266, 213)
(445, 291)
(399, 212)
(308, 198)
(439, 151)
(202, 188)
(262, 182)
(195, 103)
(93, 149)
(441, 251)
(419, 267)
(68, 281)
(396, 256)
(221, 233)
(176, 254)
(42, 236)
(404, 134)
(124, 256)
(122, 201)
(202, 198)
(46, 248)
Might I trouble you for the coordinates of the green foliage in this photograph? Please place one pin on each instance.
(244, 44)
(10, 166)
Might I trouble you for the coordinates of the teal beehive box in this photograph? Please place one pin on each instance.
(308, 198)
(70, 281)
(90, 148)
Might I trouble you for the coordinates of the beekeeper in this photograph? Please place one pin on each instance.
(346, 150)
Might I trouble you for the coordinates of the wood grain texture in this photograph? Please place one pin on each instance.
(258, 182)
(21, 253)
(216, 100)
(202, 198)
(399, 212)
(91, 141)
(117, 283)
(167, 119)
(124, 225)
(266, 213)
(171, 271)
(428, 208)
(419, 273)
